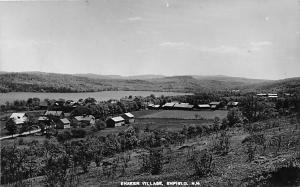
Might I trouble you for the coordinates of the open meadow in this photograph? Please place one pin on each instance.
(193, 115)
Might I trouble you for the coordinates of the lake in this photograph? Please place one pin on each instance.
(99, 96)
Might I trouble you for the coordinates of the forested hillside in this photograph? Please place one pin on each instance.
(51, 82)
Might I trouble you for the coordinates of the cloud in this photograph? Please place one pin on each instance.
(222, 49)
(135, 19)
(9, 44)
(175, 44)
(256, 46)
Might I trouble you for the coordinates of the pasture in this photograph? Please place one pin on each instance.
(188, 115)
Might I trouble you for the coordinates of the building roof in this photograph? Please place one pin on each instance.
(53, 113)
(272, 96)
(156, 106)
(215, 103)
(169, 104)
(183, 105)
(65, 121)
(233, 103)
(261, 94)
(204, 106)
(18, 118)
(84, 118)
(43, 118)
(67, 114)
(129, 115)
(43, 103)
(17, 115)
(117, 119)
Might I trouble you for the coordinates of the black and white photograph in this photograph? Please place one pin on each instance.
(150, 93)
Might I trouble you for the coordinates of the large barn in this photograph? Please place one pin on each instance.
(183, 106)
(115, 122)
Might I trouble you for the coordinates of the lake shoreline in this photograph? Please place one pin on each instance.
(99, 96)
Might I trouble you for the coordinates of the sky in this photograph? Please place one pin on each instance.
(245, 38)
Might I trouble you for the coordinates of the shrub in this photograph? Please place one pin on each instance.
(202, 162)
(221, 144)
(152, 161)
(100, 125)
(21, 141)
(56, 170)
(66, 135)
(250, 151)
(156, 158)
(234, 117)
(78, 133)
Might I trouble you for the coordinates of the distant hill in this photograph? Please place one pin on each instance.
(52, 82)
(134, 77)
(286, 85)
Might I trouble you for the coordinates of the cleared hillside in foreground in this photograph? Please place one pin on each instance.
(51, 82)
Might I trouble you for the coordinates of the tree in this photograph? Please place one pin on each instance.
(234, 117)
(12, 164)
(11, 126)
(202, 162)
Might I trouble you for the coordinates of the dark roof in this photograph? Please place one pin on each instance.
(53, 113)
(65, 121)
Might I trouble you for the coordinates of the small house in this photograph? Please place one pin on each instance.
(86, 119)
(44, 120)
(215, 105)
(63, 124)
(203, 106)
(115, 122)
(19, 118)
(129, 118)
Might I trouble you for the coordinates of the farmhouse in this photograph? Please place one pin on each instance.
(183, 106)
(63, 124)
(129, 118)
(215, 105)
(169, 105)
(86, 119)
(203, 106)
(115, 122)
(19, 118)
(58, 114)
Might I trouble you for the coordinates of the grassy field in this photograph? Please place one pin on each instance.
(180, 114)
